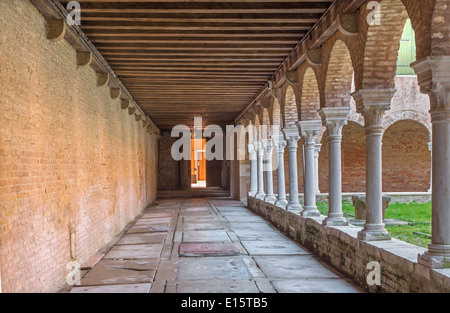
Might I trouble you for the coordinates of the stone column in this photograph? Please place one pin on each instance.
(260, 158)
(280, 145)
(372, 103)
(309, 130)
(434, 79)
(335, 119)
(253, 170)
(317, 149)
(430, 148)
(268, 150)
(292, 136)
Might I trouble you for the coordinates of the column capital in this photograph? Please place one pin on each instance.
(334, 118)
(309, 130)
(372, 103)
(433, 74)
(318, 148)
(292, 136)
(267, 146)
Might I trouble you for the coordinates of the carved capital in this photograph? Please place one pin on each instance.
(292, 136)
(433, 74)
(309, 130)
(334, 119)
(268, 146)
(372, 103)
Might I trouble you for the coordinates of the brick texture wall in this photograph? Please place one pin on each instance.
(70, 158)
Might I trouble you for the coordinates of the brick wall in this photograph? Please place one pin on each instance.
(168, 169)
(70, 158)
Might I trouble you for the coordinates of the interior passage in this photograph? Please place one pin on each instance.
(203, 245)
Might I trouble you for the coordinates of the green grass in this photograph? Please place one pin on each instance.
(418, 214)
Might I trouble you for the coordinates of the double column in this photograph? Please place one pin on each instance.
(253, 170)
(372, 103)
(260, 172)
(334, 119)
(309, 131)
(292, 137)
(268, 151)
(434, 79)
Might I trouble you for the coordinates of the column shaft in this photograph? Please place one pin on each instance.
(292, 138)
(260, 157)
(281, 202)
(253, 171)
(268, 150)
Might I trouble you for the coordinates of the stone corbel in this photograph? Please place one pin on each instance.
(124, 104)
(131, 110)
(137, 117)
(56, 30)
(84, 58)
(348, 23)
(314, 57)
(292, 77)
(115, 93)
(102, 79)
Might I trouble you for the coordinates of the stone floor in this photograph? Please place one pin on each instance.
(206, 246)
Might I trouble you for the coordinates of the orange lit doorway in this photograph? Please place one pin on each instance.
(198, 163)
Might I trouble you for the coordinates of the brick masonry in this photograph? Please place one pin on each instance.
(71, 160)
(339, 247)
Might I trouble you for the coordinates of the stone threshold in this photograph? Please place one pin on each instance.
(340, 247)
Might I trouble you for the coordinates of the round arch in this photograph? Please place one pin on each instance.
(310, 96)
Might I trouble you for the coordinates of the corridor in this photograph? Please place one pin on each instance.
(210, 245)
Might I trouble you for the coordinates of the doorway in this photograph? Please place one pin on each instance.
(198, 163)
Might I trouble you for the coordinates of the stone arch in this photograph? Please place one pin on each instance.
(382, 45)
(310, 96)
(406, 158)
(290, 108)
(339, 77)
(418, 117)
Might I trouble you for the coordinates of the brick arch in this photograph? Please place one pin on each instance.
(275, 113)
(382, 46)
(409, 115)
(310, 96)
(265, 120)
(290, 107)
(406, 158)
(339, 76)
(440, 28)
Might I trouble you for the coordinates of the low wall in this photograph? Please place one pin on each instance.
(340, 248)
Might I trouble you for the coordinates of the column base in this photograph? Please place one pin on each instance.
(270, 199)
(282, 203)
(294, 206)
(310, 211)
(437, 256)
(260, 196)
(374, 232)
(252, 194)
(335, 221)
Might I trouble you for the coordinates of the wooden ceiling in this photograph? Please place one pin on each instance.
(181, 59)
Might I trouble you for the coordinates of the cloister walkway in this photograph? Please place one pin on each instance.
(211, 245)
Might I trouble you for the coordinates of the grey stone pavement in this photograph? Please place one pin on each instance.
(206, 246)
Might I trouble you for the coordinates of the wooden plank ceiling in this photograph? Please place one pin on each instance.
(181, 59)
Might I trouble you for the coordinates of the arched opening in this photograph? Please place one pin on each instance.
(353, 160)
(310, 99)
(406, 158)
(290, 108)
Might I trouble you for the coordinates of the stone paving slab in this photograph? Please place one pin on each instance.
(206, 249)
(260, 227)
(244, 219)
(217, 268)
(158, 215)
(233, 286)
(148, 229)
(116, 272)
(153, 221)
(128, 288)
(200, 219)
(254, 235)
(142, 238)
(147, 251)
(205, 235)
(202, 226)
(277, 247)
(314, 285)
(304, 266)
